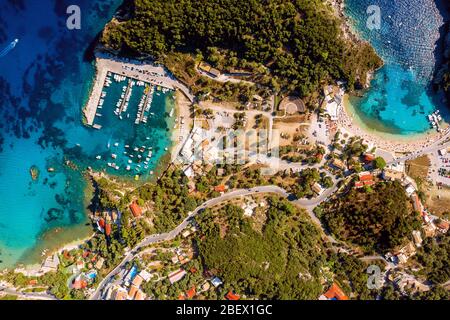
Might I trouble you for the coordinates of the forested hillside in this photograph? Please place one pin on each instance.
(300, 41)
(377, 219)
(283, 261)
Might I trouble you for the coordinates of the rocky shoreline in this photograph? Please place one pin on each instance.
(348, 32)
(442, 76)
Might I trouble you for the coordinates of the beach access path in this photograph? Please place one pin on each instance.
(143, 71)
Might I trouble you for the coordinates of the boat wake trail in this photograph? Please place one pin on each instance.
(11, 46)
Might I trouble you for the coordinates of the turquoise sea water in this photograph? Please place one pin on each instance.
(44, 82)
(400, 96)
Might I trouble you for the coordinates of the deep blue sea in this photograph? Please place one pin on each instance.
(400, 96)
(44, 82)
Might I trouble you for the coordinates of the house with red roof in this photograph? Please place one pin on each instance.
(359, 184)
(191, 293)
(368, 157)
(220, 188)
(108, 229)
(334, 293)
(79, 283)
(442, 226)
(417, 205)
(232, 296)
(365, 176)
(135, 210)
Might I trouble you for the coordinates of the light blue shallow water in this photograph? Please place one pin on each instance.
(44, 82)
(400, 96)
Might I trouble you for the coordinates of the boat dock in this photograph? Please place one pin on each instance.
(145, 107)
(126, 97)
(134, 70)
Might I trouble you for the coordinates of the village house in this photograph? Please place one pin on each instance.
(220, 188)
(368, 158)
(417, 238)
(417, 205)
(145, 275)
(429, 230)
(99, 263)
(205, 67)
(50, 264)
(338, 164)
(442, 226)
(392, 175)
(176, 275)
(334, 293)
(216, 281)
(232, 296)
(317, 188)
(364, 179)
(135, 210)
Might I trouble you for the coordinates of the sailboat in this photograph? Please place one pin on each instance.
(11, 46)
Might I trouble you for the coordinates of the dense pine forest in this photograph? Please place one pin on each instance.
(299, 41)
(377, 219)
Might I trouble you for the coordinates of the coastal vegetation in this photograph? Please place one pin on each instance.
(281, 261)
(291, 46)
(434, 257)
(377, 219)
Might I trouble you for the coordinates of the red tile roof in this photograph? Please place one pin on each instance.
(79, 284)
(365, 177)
(359, 184)
(219, 188)
(121, 295)
(132, 291)
(108, 229)
(335, 293)
(443, 225)
(135, 210)
(231, 296)
(416, 202)
(191, 293)
(369, 157)
(137, 281)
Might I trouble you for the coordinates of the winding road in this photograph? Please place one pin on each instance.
(307, 204)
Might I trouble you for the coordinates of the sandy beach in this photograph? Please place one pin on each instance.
(348, 121)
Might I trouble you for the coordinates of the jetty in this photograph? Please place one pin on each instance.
(136, 70)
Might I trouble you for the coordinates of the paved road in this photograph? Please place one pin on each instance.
(430, 149)
(308, 204)
(28, 295)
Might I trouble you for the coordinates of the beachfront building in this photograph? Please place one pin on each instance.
(333, 101)
(50, 264)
